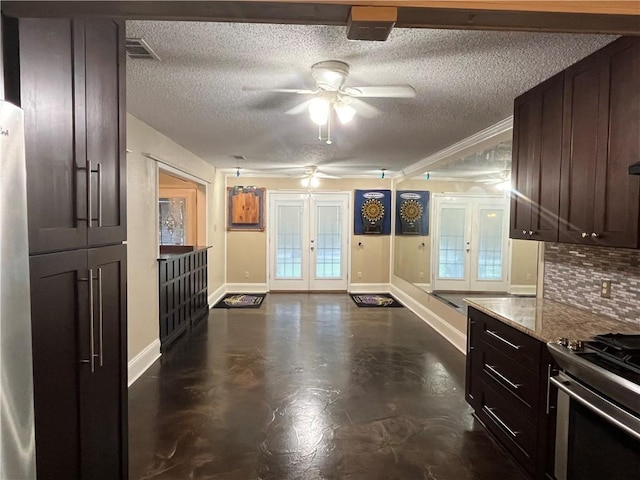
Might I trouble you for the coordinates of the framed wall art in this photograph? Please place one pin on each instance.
(372, 212)
(412, 212)
(245, 207)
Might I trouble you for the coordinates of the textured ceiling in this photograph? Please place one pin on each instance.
(465, 82)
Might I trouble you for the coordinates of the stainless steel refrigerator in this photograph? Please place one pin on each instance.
(17, 439)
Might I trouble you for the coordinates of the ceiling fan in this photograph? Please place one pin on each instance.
(331, 92)
(312, 176)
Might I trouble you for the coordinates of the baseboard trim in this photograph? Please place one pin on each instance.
(425, 287)
(522, 290)
(216, 295)
(142, 361)
(444, 328)
(369, 288)
(246, 288)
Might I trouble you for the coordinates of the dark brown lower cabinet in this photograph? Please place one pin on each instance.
(507, 386)
(78, 311)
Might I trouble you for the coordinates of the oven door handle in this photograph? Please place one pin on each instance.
(598, 405)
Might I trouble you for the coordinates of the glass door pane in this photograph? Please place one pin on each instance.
(490, 245)
(451, 264)
(329, 242)
(289, 242)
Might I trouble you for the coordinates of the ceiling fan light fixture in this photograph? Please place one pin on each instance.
(345, 112)
(319, 111)
(310, 181)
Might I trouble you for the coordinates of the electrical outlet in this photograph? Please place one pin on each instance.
(605, 289)
(359, 275)
(246, 274)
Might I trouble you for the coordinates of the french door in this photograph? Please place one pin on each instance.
(308, 241)
(470, 237)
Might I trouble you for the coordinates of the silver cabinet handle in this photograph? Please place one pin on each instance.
(99, 172)
(100, 317)
(92, 347)
(493, 370)
(595, 235)
(499, 421)
(585, 234)
(524, 232)
(548, 409)
(502, 339)
(91, 361)
(531, 232)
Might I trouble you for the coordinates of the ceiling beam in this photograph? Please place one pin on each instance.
(608, 7)
(543, 16)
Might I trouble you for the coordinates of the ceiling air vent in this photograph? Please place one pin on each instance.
(138, 48)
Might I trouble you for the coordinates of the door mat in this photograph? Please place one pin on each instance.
(375, 300)
(241, 300)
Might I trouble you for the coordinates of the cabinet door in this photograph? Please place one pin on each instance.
(617, 206)
(536, 166)
(51, 65)
(105, 132)
(579, 150)
(104, 384)
(59, 324)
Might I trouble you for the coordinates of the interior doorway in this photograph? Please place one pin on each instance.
(470, 233)
(181, 210)
(308, 241)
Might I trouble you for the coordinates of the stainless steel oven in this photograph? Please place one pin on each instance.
(598, 409)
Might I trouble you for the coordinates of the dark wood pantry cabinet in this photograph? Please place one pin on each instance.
(79, 355)
(68, 76)
(575, 137)
(71, 86)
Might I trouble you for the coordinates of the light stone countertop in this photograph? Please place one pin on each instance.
(547, 320)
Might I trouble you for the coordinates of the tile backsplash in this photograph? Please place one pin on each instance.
(573, 275)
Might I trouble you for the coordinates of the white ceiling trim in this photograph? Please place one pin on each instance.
(482, 136)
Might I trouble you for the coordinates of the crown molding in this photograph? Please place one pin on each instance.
(475, 139)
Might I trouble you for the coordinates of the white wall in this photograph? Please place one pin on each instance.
(142, 226)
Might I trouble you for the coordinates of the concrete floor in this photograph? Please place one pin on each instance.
(310, 387)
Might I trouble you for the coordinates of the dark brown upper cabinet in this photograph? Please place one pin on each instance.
(575, 137)
(600, 201)
(537, 148)
(71, 87)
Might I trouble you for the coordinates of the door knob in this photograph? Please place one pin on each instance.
(312, 249)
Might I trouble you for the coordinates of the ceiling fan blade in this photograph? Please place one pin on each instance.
(298, 109)
(300, 91)
(382, 91)
(324, 175)
(364, 109)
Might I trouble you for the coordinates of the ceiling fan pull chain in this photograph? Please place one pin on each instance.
(329, 142)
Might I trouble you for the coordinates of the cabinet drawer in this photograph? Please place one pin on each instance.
(509, 341)
(513, 430)
(518, 385)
